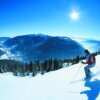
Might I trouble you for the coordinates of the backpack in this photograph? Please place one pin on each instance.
(92, 59)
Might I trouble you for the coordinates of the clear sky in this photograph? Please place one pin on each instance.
(52, 17)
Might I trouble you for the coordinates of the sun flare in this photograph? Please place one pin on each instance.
(74, 15)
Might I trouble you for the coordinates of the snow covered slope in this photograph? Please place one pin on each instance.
(56, 85)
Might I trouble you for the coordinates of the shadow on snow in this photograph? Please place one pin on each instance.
(94, 90)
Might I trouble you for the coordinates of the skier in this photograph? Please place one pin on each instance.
(90, 60)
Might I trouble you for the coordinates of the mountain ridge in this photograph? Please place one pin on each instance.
(42, 47)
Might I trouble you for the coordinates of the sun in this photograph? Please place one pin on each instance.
(74, 15)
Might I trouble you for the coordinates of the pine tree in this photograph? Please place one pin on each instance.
(15, 70)
(33, 70)
(55, 64)
(0, 68)
(30, 66)
(77, 59)
(47, 66)
(27, 69)
(42, 69)
(51, 65)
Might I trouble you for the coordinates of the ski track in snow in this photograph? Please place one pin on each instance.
(55, 85)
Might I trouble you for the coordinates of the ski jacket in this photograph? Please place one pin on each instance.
(90, 59)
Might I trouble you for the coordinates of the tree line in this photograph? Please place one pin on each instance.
(36, 67)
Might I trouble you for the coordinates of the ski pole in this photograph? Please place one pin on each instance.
(76, 74)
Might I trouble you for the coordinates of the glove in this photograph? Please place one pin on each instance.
(83, 62)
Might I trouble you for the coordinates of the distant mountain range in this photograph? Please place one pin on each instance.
(2, 39)
(91, 44)
(40, 47)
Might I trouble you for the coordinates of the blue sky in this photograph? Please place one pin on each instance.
(52, 17)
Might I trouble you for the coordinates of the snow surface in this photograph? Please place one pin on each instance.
(55, 85)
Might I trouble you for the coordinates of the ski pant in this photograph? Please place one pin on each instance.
(87, 69)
